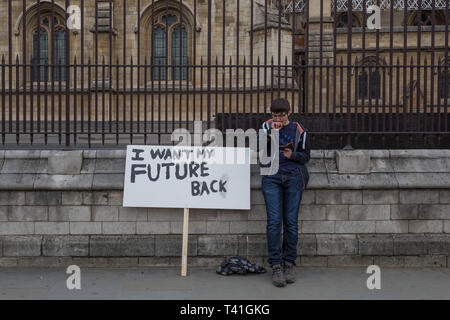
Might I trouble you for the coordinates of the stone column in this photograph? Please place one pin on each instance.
(103, 28)
(272, 25)
(318, 40)
(314, 36)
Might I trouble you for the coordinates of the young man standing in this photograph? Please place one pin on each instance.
(283, 191)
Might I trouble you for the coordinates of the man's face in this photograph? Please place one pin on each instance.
(281, 118)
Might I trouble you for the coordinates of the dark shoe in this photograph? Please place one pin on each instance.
(289, 272)
(278, 278)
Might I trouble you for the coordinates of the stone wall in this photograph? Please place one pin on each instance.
(390, 208)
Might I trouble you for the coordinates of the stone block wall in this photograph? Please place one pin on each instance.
(383, 207)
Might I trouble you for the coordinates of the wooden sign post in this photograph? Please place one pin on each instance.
(185, 243)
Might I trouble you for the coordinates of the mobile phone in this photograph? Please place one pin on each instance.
(286, 147)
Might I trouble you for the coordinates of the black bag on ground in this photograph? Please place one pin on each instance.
(239, 265)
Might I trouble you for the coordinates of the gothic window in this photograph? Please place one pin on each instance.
(42, 55)
(444, 85)
(425, 18)
(369, 83)
(342, 20)
(170, 48)
(369, 78)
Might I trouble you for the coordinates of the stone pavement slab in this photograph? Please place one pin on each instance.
(205, 284)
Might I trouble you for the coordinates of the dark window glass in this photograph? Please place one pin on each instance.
(369, 87)
(60, 54)
(343, 19)
(362, 85)
(159, 54)
(426, 18)
(170, 20)
(374, 85)
(444, 91)
(40, 58)
(179, 57)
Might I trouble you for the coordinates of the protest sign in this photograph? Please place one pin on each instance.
(187, 177)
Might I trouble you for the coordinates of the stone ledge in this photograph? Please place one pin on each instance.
(65, 162)
(23, 154)
(89, 154)
(356, 181)
(111, 154)
(315, 154)
(424, 154)
(63, 182)
(417, 165)
(17, 181)
(102, 169)
(24, 166)
(423, 180)
(115, 181)
(353, 162)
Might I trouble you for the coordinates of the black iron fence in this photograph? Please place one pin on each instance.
(82, 74)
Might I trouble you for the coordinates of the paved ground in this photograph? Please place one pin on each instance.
(161, 283)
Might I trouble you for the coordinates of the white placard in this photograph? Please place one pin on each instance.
(187, 177)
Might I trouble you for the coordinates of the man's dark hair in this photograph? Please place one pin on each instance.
(280, 105)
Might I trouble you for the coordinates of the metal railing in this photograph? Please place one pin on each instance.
(348, 85)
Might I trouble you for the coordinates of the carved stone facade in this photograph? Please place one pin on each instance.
(125, 34)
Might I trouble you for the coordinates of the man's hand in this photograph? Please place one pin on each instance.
(277, 125)
(287, 153)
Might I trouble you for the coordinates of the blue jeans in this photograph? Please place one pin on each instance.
(282, 194)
